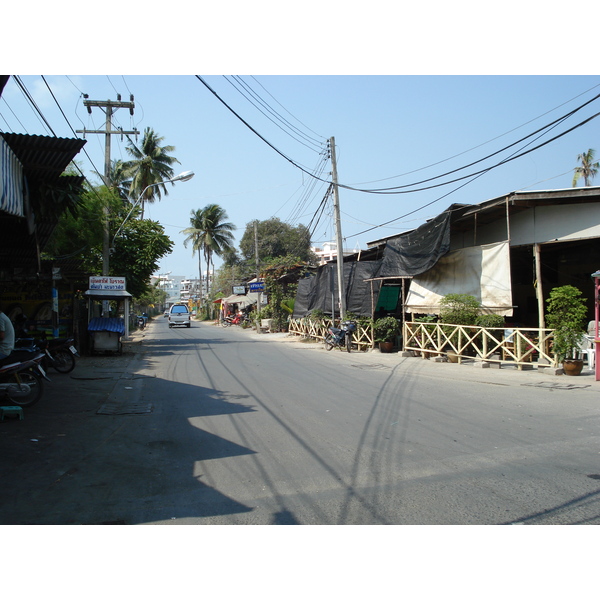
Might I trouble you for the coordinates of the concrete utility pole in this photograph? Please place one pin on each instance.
(259, 298)
(110, 107)
(338, 233)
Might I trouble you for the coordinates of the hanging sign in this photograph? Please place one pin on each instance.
(239, 290)
(257, 286)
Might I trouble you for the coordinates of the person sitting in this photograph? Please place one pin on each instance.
(7, 335)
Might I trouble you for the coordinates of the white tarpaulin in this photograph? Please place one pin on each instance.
(480, 271)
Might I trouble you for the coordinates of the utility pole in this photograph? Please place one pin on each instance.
(338, 234)
(110, 107)
(259, 299)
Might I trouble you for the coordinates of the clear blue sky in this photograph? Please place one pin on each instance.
(384, 128)
(390, 130)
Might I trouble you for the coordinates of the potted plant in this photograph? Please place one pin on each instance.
(566, 315)
(385, 330)
(458, 309)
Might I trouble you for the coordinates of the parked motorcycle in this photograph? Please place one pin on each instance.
(340, 337)
(236, 320)
(141, 322)
(21, 380)
(58, 353)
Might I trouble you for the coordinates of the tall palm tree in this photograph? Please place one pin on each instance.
(151, 164)
(588, 169)
(210, 234)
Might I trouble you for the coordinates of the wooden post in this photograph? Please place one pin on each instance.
(539, 288)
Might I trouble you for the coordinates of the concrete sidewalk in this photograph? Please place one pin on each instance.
(467, 370)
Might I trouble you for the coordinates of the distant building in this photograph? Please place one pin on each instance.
(329, 252)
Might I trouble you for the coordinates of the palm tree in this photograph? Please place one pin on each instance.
(209, 233)
(151, 164)
(588, 169)
(118, 178)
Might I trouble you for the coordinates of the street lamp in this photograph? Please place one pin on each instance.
(185, 176)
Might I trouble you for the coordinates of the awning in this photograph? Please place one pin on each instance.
(480, 271)
(244, 300)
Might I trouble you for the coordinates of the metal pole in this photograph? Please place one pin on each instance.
(338, 233)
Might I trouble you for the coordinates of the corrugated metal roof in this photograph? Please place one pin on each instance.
(43, 157)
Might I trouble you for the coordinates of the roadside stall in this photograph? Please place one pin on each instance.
(106, 326)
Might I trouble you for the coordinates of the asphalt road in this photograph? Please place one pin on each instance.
(231, 427)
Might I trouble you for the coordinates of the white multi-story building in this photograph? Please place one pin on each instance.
(179, 288)
(329, 252)
(171, 285)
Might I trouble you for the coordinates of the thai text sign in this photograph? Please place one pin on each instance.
(257, 286)
(107, 283)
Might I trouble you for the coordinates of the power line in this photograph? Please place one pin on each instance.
(318, 144)
(303, 169)
(30, 99)
(396, 190)
(483, 143)
(14, 115)
(548, 126)
(286, 110)
(69, 124)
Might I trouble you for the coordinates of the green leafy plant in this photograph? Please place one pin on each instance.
(459, 309)
(566, 314)
(386, 329)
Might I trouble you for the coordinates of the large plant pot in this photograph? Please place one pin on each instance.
(452, 357)
(386, 346)
(572, 367)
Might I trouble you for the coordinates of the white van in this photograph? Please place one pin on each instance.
(179, 315)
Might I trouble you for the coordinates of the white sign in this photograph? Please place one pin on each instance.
(107, 283)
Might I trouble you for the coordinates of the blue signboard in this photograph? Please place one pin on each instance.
(257, 286)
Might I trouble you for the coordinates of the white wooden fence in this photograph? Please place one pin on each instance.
(520, 346)
(311, 328)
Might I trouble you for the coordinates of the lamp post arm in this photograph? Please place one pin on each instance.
(185, 176)
(136, 203)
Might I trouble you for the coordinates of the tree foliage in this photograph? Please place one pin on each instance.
(588, 168)
(137, 250)
(276, 239)
(459, 309)
(210, 233)
(151, 164)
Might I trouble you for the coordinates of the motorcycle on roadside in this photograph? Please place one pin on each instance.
(58, 353)
(21, 378)
(340, 337)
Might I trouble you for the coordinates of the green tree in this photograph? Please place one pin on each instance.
(588, 169)
(137, 250)
(275, 239)
(281, 292)
(209, 233)
(151, 164)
